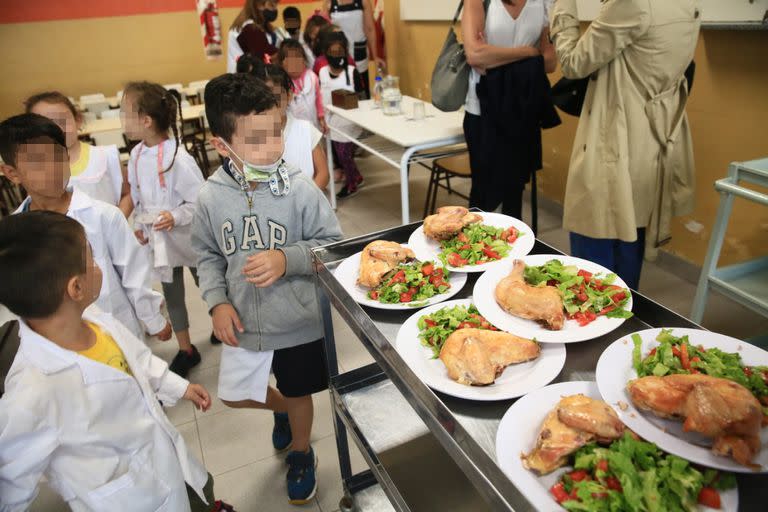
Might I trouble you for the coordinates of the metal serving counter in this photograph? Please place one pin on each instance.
(385, 404)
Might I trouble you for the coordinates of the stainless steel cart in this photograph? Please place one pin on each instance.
(384, 404)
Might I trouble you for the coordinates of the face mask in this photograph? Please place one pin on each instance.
(270, 15)
(293, 32)
(264, 173)
(337, 62)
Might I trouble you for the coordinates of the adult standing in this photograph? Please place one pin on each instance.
(355, 18)
(508, 100)
(252, 32)
(632, 166)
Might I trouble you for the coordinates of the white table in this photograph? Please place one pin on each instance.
(397, 139)
(106, 125)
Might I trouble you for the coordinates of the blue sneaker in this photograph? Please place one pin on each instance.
(281, 432)
(302, 484)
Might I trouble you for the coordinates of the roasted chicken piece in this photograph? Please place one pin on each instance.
(448, 221)
(718, 408)
(475, 357)
(380, 257)
(575, 421)
(541, 303)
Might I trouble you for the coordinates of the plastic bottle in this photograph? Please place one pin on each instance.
(378, 89)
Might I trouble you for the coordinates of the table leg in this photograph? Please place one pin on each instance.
(331, 182)
(404, 199)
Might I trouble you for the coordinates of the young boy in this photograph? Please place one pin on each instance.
(256, 221)
(35, 154)
(81, 399)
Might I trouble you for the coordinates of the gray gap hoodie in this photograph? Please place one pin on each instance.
(225, 232)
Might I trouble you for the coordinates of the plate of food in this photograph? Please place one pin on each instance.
(387, 275)
(697, 394)
(456, 351)
(465, 241)
(553, 298)
(566, 449)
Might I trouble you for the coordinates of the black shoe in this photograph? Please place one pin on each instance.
(183, 362)
(345, 193)
(215, 340)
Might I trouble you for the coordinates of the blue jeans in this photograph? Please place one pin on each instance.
(623, 258)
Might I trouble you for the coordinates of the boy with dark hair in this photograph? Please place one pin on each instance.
(81, 400)
(256, 221)
(292, 22)
(35, 154)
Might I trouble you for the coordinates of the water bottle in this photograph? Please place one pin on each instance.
(378, 90)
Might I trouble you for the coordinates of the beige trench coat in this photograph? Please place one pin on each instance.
(632, 162)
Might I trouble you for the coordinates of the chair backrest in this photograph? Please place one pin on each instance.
(89, 116)
(91, 97)
(113, 113)
(198, 84)
(109, 138)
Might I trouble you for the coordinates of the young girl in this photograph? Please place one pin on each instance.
(339, 74)
(307, 102)
(96, 170)
(165, 182)
(252, 32)
(309, 37)
(302, 140)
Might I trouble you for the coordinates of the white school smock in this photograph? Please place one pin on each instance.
(328, 84)
(126, 287)
(234, 51)
(501, 29)
(350, 19)
(301, 138)
(179, 196)
(102, 178)
(304, 102)
(99, 435)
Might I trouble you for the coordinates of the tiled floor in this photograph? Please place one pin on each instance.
(235, 445)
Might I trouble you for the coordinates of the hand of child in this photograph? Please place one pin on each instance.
(165, 333)
(140, 236)
(164, 222)
(264, 268)
(323, 125)
(199, 396)
(225, 321)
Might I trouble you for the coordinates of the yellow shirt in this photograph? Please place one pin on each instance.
(78, 167)
(106, 351)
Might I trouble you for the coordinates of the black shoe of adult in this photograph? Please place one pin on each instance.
(184, 361)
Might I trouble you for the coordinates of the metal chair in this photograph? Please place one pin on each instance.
(11, 196)
(442, 170)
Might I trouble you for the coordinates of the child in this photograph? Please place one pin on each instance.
(309, 37)
(256, 220)
(95, 170)
(339, 74)
(80, 400)
(165, 181)
(35, 154)
(292, 22)
(324, 37)
(307, 102)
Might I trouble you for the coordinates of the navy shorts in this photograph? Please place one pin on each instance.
(301, 370)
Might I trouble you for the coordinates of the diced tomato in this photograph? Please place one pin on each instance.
(675, 351)
(493, 328)
(618, 297)
(709, 497)
(578, 475)
(399, 277)
(462, 237)
(466, 325)
(465, 247)
(615, 287)
(455, 260)
(574, 493)
(607, 309)
(413, 290)
(613, 483)
(438, 272)
(747, 371)
(652, 352)
(558, 491)
(684, 357)
(511, 239)
(510, 235)
(586, 275)
(598, 285)
(695, 359)
(485, 324)
(429, 323)
(405, 297)
(427, 269)
(552, 282)
(602, 465)
(491, 253)
(375, 296)
(582, 297)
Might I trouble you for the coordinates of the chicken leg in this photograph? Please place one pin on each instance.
(448, 221)
(541, 303)
(378, 258)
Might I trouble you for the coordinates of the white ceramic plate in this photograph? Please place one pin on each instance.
(428, 249)
(572, 332)
(516, 380)
(349, 270)
(517, 434)
(614, 371)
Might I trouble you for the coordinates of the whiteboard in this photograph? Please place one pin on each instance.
(713, 11)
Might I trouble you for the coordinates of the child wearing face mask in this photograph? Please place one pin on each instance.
(256, 220)
(339, 74)
(252, 32)
(307, 102)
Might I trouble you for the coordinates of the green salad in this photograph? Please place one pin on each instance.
(636, 476)
(435, 328)
(477, 244)
(678, 355)
(585, 296)
(409, 282)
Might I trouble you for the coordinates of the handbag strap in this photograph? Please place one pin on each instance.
(486, 3)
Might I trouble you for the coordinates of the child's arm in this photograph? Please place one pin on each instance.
(318, 95)
(27, 445)
(134, 267)
(188, 182)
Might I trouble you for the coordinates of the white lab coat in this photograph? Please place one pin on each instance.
(126, 289)
(103, 176)
(179, 196)
(99, 435)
